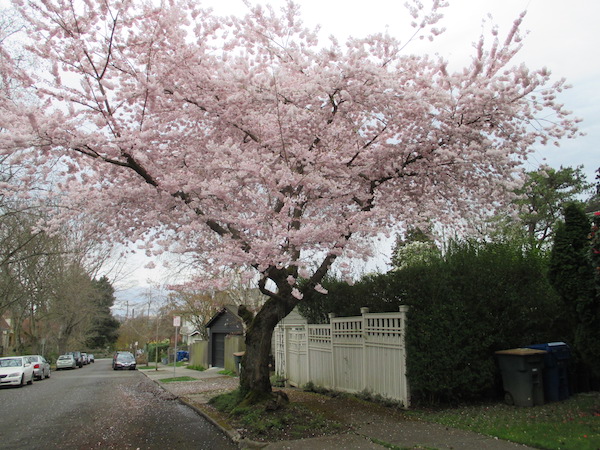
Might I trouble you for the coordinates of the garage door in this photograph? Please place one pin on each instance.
(218, 349)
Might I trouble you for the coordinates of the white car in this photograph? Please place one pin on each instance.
(67, 361)
(15, 371)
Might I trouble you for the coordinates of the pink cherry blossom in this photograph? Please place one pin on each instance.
(245, 142)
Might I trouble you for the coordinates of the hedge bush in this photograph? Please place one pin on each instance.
(464, 305)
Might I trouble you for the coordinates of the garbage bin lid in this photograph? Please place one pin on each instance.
(521, 352)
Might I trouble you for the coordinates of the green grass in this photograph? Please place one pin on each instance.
(199, 368)
(227, 372)
(174, 379)
(146, 367)
(570, 424)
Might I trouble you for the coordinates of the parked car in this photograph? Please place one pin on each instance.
(90, 357)
(84, 358)
(120, 353)
(41, 367)
(124, 360)
(67, 361)
(15, 371)
(78, 358)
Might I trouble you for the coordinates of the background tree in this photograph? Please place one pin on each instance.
(416, 247)
(104, 329)
(246, 142)
(543, 197)
(593, 203)
(197, 307)
(572, 275)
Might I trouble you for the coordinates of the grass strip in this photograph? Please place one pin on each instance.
(175, 379)
(573, 423)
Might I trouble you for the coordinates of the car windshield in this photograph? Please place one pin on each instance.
(65, 357)
(125, 358)
(13, 362)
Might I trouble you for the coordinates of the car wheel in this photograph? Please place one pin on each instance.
(30, 382)
(22, 381)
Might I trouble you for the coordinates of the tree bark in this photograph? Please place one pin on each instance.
(255, 383)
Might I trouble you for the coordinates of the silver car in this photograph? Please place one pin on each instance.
(66, 362)
(41, 367)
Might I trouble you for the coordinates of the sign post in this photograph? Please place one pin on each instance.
(176, 324)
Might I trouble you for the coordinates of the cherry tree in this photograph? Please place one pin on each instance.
(248, 143)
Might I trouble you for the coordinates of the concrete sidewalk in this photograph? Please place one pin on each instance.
(371, 426)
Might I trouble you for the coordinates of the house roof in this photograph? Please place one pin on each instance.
(227, 308)
(4, 326)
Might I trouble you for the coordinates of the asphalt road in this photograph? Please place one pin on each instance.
(97, 407)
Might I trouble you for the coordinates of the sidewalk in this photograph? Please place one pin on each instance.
(372, 426)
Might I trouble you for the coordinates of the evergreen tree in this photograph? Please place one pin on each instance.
(105, 328)
(572, 275)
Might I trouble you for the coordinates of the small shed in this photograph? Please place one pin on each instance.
(224, 323)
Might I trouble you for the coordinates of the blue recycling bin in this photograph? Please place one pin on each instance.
(555, 373)
(183, 355)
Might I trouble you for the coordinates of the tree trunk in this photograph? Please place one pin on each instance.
(255, 383)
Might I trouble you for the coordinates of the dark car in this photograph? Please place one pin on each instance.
(124, 361)
(117, 353)
(78, 358)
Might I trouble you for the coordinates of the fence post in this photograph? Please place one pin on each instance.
(363, 312)
(284, 353)
(406, 390)
(332, 359)
(306, 343)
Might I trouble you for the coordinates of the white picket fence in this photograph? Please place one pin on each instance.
(352, 354)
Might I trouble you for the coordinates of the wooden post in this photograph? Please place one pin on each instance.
(363, 312)
(332, 359)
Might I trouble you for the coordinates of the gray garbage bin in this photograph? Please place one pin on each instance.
(522, 376)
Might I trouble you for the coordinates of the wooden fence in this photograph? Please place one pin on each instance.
(352, 354)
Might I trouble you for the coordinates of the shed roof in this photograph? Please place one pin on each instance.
(232, 309)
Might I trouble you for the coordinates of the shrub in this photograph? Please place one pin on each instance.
(464, 305)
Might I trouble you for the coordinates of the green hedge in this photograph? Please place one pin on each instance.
(465, 305)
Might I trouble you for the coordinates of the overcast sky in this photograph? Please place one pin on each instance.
(564, 38)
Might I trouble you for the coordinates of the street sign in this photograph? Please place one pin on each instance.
(176, 321)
